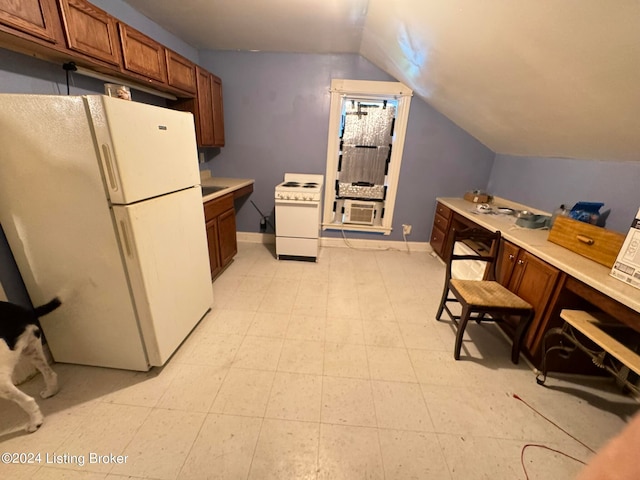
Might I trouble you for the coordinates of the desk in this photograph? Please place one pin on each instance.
(581, 283)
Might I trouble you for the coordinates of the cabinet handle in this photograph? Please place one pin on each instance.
(512, 257)
(585, 239)
(520, 262)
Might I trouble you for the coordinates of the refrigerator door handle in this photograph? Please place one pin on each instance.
(125, 238)
(108, 163)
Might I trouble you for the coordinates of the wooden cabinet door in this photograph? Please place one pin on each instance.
(181, 73)
(35, 17)
(141, 54)
(227, 232)
(204, 117)
(214, 247)
(533, 280)
(90, 31)
(506, 262)
(218, 111)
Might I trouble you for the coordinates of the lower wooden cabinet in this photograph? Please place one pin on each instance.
(220, 218)
(531, 279)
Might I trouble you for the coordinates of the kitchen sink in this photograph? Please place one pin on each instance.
(208, 190)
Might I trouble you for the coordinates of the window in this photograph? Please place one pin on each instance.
(367, 124)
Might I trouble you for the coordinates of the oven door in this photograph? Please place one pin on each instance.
(297, 219)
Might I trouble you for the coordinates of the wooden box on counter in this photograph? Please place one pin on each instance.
(596, 243)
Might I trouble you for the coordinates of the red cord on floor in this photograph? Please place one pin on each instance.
(544, 446)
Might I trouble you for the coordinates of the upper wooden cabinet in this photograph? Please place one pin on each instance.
(206, 119)
(76, 30)
(181, 72)
(141, 54)
(90, 31)
(218, 111)
(206, 108)
(38, 18)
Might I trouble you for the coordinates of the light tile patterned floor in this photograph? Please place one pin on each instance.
(329, 370)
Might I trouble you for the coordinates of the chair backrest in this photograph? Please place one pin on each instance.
(484, 242)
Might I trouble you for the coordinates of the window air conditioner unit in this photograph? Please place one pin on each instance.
(358, 212)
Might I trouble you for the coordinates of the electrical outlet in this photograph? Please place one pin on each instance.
(406, 229)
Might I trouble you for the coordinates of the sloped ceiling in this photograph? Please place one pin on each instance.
(527, 77)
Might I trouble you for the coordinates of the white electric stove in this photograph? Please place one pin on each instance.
(298, 201)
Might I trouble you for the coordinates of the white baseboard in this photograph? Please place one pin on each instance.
(367, 244)
(269, 238)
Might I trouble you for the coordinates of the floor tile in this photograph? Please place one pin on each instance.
(412, 455)
(306, 327)
(382, 334)
(223, 449)
(348, 452)
(295, 396)
(258, 352)
(348, 401)
(387, 363)
(286, 449)
(344, 330)
(214, 349)
(110, 430)
(401, 406)
(269, 324)
(193, 388)
(346, 360)
(479, 458)
(244, 392)
(160, 446)
(301, 356)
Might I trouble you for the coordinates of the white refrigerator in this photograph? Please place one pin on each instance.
(101, 204)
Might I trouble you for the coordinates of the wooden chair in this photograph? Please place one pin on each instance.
(485, 299)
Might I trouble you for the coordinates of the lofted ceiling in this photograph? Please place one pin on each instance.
(529, 77)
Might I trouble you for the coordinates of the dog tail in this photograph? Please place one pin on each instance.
(48, 307)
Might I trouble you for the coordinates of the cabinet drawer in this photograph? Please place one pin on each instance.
(437, 240)
(215, 207)
(444, 211)
(441, 222)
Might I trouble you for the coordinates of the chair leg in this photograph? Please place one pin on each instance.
(445, 294)
(519, 335)
(462, 324)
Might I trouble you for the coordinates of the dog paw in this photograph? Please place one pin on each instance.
(34, 425)
(50, 392)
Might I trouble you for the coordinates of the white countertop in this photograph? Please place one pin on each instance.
(232, 185)
(535, 241)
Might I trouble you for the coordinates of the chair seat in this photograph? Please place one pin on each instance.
(488, 294)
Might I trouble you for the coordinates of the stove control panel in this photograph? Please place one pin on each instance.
(299, 196)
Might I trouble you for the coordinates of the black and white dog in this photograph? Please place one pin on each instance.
(20, 335)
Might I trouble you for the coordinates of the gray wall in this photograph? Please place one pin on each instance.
(276, 109)
(545, 183)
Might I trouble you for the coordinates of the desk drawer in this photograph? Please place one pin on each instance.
(444, 211)
(437, 240)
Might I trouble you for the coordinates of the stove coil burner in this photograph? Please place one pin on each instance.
(291, 184)
(310, 185)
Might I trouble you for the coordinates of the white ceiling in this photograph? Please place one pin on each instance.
(527, 77)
